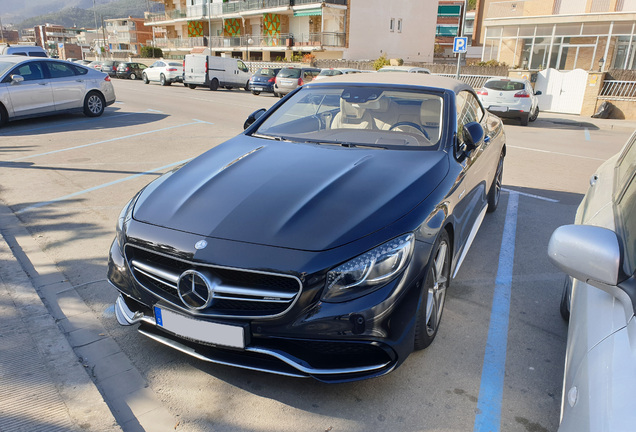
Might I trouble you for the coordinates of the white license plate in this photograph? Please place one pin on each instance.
(498, 108)
(258, 88)
(203, 331)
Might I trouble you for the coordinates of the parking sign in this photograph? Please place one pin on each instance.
(460, 45)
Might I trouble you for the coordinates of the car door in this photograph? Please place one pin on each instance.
(153, 71)
(241, 74)
(476, 170)
(33, 95)
(68, 85)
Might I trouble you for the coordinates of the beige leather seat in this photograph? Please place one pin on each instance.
(430, 114)
(352, 116)
(385, 114)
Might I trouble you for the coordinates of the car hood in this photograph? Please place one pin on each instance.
(300, 196)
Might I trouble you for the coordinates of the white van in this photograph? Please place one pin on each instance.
(214, 72)
(25, 50)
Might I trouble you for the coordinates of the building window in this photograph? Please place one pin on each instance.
(399, 25)
(392, 25)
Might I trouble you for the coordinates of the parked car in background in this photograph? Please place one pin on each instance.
(83, 62)
(33, 86)
(335, 72)
(23, 50)
(510, 98)
(598, 253)
(290, 78)
(407, 69)
(165, 72)
(263, 80)
(110, 67)
(95, 64)
(204, 70)
(321, 242)
(130, 70)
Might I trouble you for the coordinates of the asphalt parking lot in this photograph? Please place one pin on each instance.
(497, 362)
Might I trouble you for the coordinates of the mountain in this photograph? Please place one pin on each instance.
(80, 13)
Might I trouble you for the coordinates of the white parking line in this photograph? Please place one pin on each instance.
(94, 188)
(56, 125)
(107, 141)
(556, 153)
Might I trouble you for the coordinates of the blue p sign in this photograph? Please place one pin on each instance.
(460, 45)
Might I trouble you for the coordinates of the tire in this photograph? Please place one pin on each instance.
(214, 84)
(133, 76)
(280, 95)
(185, 85)
(564, 307)
(192, 86)
(495, 189)
(162, 80)
(247, 86)
(429, 312)
(4, 117)
(94, 104)
(535, 114)
(145, 78)
(228, 87)
(255, 93)
(524, 120)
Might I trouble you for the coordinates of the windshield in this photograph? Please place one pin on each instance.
(289, 73)
(330, 72)
(355, 116)
(5, 66)
(267, 72)
(504, 85)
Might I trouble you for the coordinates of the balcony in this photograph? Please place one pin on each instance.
(250, 5)
(303, 2)
(165, 16)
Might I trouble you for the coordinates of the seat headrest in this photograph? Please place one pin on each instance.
(430, 112)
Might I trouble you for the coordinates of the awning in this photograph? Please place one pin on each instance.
(308, 12)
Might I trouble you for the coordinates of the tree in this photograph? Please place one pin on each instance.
(148, 51)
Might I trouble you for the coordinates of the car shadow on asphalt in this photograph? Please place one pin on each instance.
(113, 118)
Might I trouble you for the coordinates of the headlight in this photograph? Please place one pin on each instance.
(369, 271)
(124, 218)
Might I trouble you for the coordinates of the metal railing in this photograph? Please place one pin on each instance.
(475, 81)
(247, 5)
(165, 16)
(300, 2)
(283, 40)
(618, 90)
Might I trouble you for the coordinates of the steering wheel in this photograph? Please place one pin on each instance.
(410, 124)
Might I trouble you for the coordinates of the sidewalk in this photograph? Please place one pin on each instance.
(59, 369)
(43, 385)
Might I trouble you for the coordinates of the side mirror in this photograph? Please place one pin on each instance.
(537, 93)
(15, 79)
(253, 117)
(472, 133)
(588, 253)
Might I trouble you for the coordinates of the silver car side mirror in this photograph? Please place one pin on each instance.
(588, 253)
(15, 79)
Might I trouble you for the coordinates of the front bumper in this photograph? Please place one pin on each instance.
(331, 342)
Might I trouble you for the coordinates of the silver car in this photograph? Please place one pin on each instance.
(598, 252)
(32, 86)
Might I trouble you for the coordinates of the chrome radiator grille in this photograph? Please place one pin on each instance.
(239, 293)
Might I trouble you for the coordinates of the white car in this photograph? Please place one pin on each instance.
(408, 69)
(164, 72)
(335, 71)
(598, 253)
(35, 86)
(510, 98)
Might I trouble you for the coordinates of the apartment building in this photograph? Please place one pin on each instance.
(593, 35)
(276, 29)
(126, 36)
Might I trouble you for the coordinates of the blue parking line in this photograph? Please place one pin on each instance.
(105, 141)
(488, 417)
(94, 188)
(587, 134)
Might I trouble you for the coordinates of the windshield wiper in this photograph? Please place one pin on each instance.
(270, 137)
(345, 144)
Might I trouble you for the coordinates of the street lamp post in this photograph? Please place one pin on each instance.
(250, 41)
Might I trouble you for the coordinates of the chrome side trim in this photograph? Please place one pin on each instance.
(471, 237)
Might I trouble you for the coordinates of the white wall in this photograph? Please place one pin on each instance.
(370, 35)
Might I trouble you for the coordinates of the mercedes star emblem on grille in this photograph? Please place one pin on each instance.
(195, 289)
